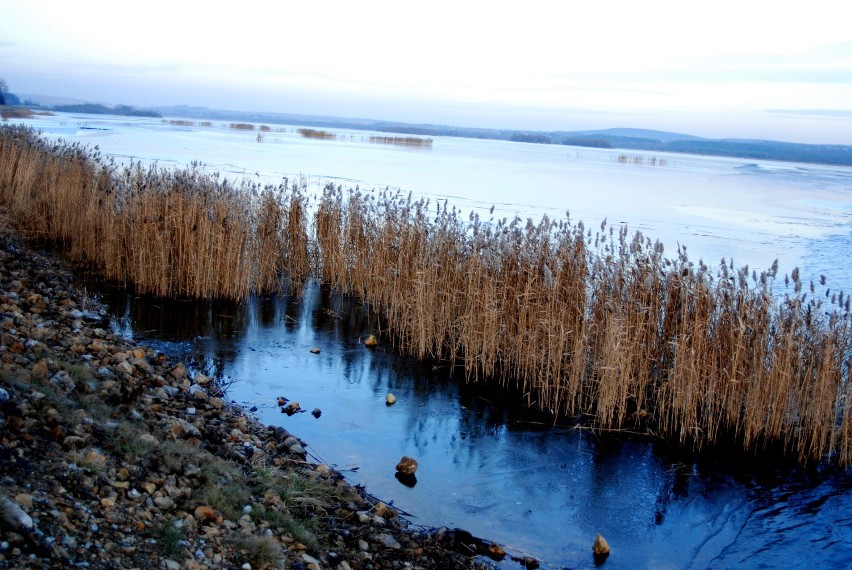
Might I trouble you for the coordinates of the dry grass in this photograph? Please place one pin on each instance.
(593, 323)
(402, 141)
(317, 134)
(15, 113)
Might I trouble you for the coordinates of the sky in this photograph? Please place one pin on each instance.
(745, 69)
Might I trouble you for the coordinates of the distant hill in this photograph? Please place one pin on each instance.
(636, 134)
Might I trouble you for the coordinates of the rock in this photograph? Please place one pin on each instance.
(406, 466)
(179, 372)
(600, 548)
(310, 561)
(323, 470)
(315, 350)
(496, 552)
(202, 379)
(316, 413)
(371, 341)
(171, 565)
(182, 428)
(25, 501)
(4, 396)
(14, 515)
(384, 511)
(282, 401)
(197, 391)
(388, 541)
(292, 408)
(164, 503)
(390, 399)
(149, 440)
(63, 380)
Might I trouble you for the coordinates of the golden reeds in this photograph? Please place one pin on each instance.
(599, 324)
(401, 141)
(317, 134)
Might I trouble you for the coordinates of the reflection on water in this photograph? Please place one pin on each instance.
(487, 464)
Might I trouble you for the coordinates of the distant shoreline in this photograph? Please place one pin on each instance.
(616, 139)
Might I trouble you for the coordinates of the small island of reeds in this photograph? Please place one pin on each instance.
(317, 134)
(402, 141)
(596, 325)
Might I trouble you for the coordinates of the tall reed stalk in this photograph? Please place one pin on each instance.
(599, 324)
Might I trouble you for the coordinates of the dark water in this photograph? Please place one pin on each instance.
(487, 464)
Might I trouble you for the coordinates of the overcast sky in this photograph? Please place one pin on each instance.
(745, 68)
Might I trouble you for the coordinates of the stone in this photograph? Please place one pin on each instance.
(4, 396)
(63, 380)
(496, 552)
(14, 515)
(197, 391)
(182, 428)
(202, 379)
(406, 466)
(390, 399)
(371, 341)
(125, 367)
(179, 372)
(384, 511)
(316, 413)
(25, 501)
(601, 547)
(164, 503)
(138, 353)
(149, 440)
(171, 565)
(315, 350)
(292, 408)
(388, 541)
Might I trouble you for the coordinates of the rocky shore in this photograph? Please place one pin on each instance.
(111, 456)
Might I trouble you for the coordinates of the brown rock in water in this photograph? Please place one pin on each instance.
(600, 548)
(371, 341)
(406, 465)
(315, 350)
(317, 412)
(496, 552)
(390, 399)
(291, 408)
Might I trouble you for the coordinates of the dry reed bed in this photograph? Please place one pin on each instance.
(599, 324)
(401, 141)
